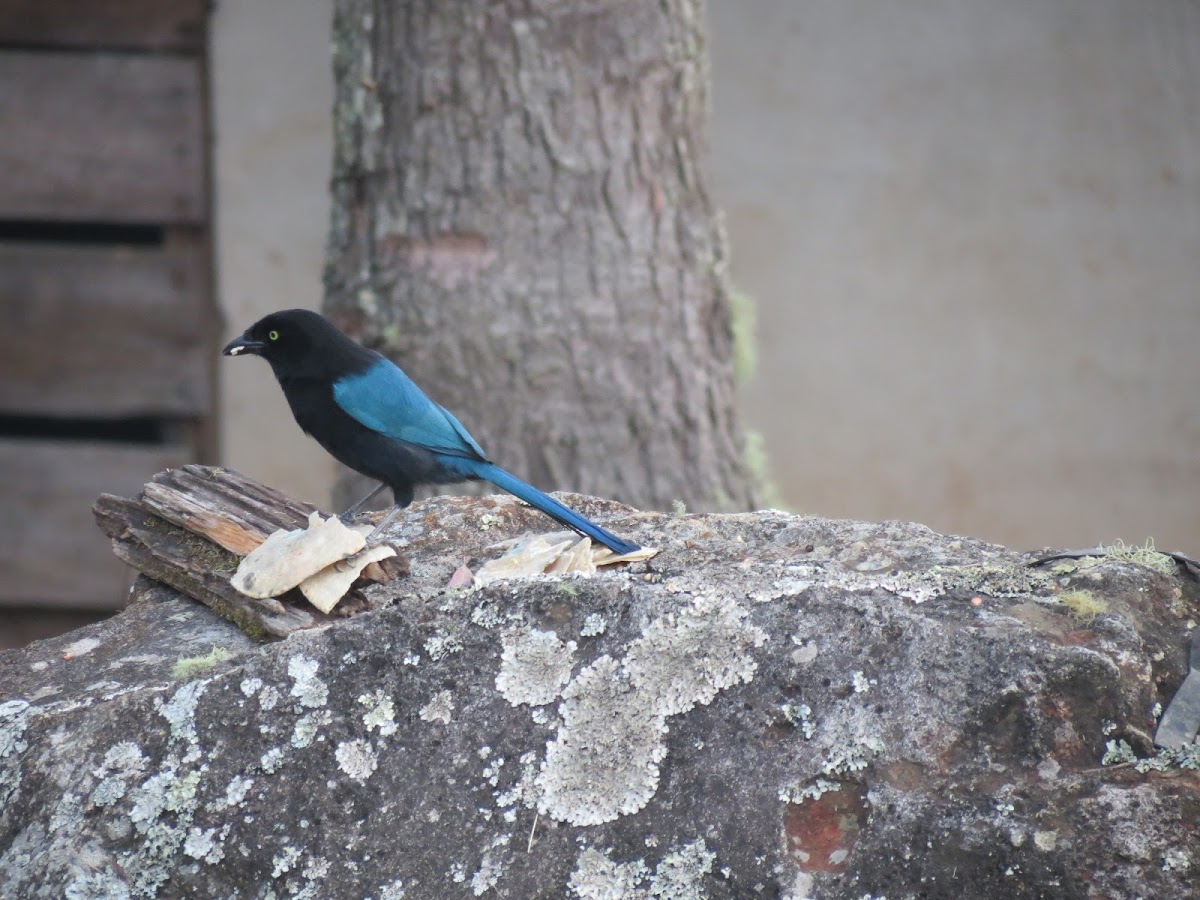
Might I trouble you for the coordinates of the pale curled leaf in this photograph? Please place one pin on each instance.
(287, 558)
(577, 558)
(332, 583)
(602, 556)
(553, 537)
(530, 557)
(558, 552)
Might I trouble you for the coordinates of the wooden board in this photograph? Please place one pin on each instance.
(51, 552)
(105, 331)
(190, 527)
(101, 137)
(109, 24)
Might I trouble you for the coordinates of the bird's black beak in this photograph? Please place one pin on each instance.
(245, 345)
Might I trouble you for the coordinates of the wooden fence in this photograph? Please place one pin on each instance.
(108, 324)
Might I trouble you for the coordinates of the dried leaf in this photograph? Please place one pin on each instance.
(287, 558)
(386, 570)
(602, 556)
(577, 558)
(462, 577)
(332, 583)
(530, 557)
(563, 551)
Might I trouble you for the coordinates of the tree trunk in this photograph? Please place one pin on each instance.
(522, 220)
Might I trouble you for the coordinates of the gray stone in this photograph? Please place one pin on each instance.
(774, 706)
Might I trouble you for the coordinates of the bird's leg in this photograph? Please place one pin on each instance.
(384, 524)
(353, 510)
(402, 495)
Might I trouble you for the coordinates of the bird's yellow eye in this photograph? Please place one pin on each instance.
(273, 335)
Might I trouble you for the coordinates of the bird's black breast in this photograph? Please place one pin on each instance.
(315, 410)
(398, 464)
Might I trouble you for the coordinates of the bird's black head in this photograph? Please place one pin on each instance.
(299, 343)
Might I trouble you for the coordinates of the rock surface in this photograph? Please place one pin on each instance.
(774, 706)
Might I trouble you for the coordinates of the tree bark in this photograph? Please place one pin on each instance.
(522, 220)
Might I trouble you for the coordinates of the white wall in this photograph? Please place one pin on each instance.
(973, 232)
(272, 92)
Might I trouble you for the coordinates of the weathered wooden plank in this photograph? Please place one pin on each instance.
(193, 566)
(223, 506)
(176, 25)
(106, 331)
(189, 528)
(50, 552)
(101, 137)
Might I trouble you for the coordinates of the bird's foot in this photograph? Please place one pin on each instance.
(348, 516)
(376, 535)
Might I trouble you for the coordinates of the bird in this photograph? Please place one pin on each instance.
(370, 416)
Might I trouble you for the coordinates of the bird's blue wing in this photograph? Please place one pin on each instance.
(386, 400)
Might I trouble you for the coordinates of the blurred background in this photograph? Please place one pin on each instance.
(969, 233)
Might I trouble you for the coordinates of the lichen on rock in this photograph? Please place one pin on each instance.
(604, 761)
(678, 876)
(764, 709)
(534, 666)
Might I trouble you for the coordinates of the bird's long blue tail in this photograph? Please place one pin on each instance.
(551, 507)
